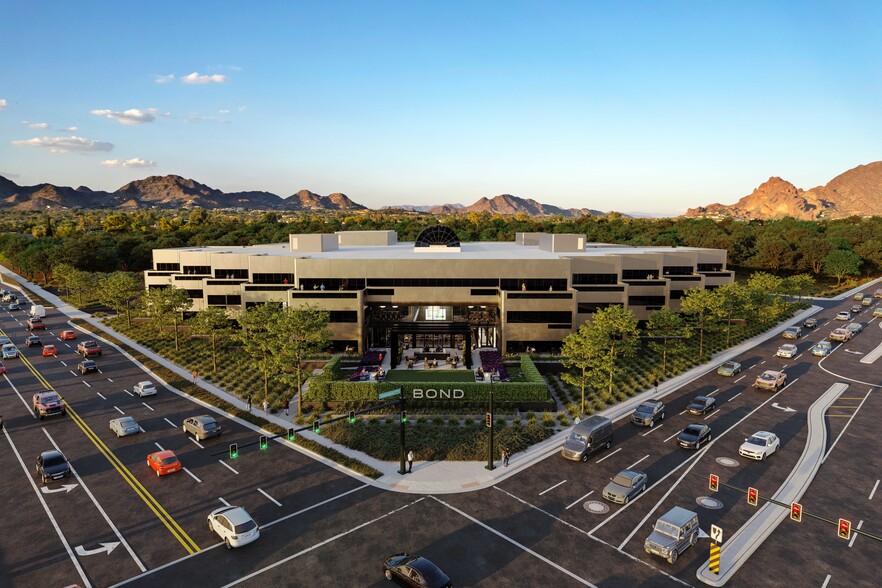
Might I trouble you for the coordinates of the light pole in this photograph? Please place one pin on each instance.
(490, 426)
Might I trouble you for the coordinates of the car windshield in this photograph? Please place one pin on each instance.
(767, 376)
(666, 528)
(754, 440)
(53, 460)
(169, 460)
(244, 527)
(574, 436)
(700, 400)
(623, 480)
(127, 422)
(693, 430)
(729, 366)
(50, 398)
(647, 408)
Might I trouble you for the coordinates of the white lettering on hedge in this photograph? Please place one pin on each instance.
(432, 394)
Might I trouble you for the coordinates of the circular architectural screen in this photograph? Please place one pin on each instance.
(437, 236)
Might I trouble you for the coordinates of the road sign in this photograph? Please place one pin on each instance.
(752, 496)
(389, 393)
(714, 482)
(844, 529)
(714, 563)
(716, 534)
(796, 511)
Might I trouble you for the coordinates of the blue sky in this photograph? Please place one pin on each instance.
(640, 106)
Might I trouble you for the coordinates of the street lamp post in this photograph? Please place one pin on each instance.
(490, 441)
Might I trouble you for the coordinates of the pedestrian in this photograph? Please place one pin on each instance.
(285, 406)
(266, 406)
(410, 461)
(195, 376)
(505, 456)
(248, 402)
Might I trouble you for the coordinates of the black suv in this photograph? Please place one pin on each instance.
(648, 412)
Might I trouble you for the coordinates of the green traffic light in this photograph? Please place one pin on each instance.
(290, 434)
(234, 450)
(263, 442)
(351, 416)
(315, 427)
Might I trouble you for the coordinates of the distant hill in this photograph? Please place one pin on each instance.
(504, 204)
(855, 192)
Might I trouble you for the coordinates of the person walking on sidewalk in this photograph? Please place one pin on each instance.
(410, 461)
(265, 406)
(195, 376)
(505, 456)
(285, 405)
(248, 402)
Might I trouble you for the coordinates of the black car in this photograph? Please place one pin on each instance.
(87, 365)
(694, 436)
(52, 465)
(701, 405)
(810, 323)
(415, 570)
(33, 340)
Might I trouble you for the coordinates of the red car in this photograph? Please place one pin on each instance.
(164, 462)
(50, 350)
(68, 335)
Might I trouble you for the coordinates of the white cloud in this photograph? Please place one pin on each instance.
(70, 129)
(65, 144)
(235, 68)
(134, 162)
(36, 125)
(3, 103)
(195, 78)
(132, 116)
(224, 111)
(164, 79)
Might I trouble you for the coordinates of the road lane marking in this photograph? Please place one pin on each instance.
(148, 406)
(823, 459)
(608, 455)
(873, 492)
(196, 442)
(672, 436)
(116, 532)
(52, 520)
(141, 429)
(118, 409)
(73, 373)
(224, 501)
(636, 462)
(552, 488)
(228, 466)
(88, 385)
(714, 392)
(174, 426)
(651, 430)
(158, 445)
(192, 475)
(103, 397)
(579, 500)
(276, 502)
(712, 414)
(29, 408)
(762, 362)
(826, 581)
(854, 535)
(682, 412)
(734, 397)
(797, 357)
(739, 379)
(129, 393)
(109, 380)
(62, 362)
(751, 367)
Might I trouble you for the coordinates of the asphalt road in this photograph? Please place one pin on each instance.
(546, 525)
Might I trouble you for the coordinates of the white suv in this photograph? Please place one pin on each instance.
(145, 388)
(234, 525)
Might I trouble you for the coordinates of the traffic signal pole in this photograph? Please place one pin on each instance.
(403, 451)
(490, 440)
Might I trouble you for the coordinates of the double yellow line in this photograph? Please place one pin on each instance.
(140, 490)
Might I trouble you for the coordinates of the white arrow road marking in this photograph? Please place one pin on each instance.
(105, 548)
(580, 500)
(854, 352)
(784, 408)
(277, 503)
(66, 488)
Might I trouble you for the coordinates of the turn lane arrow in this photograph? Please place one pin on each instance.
(784, 408)
(66, 488)
(105, 548)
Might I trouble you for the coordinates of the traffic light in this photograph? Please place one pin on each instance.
(263, 442)
(290, 434)
(488, 420)
(403, 416)
(796, 511)
(315, 426)
(351, 416)
(752, 496)
(844, 529)
(714, 482)
(234, 450)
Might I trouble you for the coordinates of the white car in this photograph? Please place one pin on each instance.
(124, 426)
(9, 351)
(787, 350)
(760, 445)
(145, 388)
(843, 316)
(234, 525)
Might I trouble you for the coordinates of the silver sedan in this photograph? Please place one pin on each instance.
(625, 485)
(124, 426)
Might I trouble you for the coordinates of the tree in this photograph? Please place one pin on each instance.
(842, 262)
(703, 306)
(670, 328)
(120, 291)
(734, 299)
(305, 332)
(764, 296)
(259, 339)
(81, 284)
(215, 323)
(167, 304)
(578, 354)
(62, 273)
(798, 284)
(812, 252)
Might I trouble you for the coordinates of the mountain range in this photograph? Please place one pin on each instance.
(855, 192)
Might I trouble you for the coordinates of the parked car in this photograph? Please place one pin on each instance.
(843, 316)
(701, 405)
(810, 323)
(123, 426)
(52, 465)
(164, 462)
(674, 531)
(33, 341)
(842, 335)
(822, 349)
(87, 366)
(202, 427)
(730, 368)
(626, 485)
(234, 525)
(855, 308)
(792, 333)
(694, 436)
(415, 570)
(145, 388)
(9, 351)
(68, 335)
(50, 351)
(760, 445)
(648, 412)
(788, 350)
(855, 328)
(770, 380)
(47, 404)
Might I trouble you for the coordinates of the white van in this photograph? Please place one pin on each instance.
(38, 311)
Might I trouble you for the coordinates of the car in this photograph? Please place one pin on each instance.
(202, 427)
(770, 380)
(840, 335)
(843, 316)
(52, 465)
(701, 405)
(47, 404)
(415, 570)
(859, 296)
(822, 349)
(648, 412)
(89, 348)
(164, 462)
(50, 350)
(14, 306)
(673, 533)
(877, 293)
(730, 368)
(792, 333)
(123, 426)
(86, 366)
(856, 308)
(855, 328)
(36, 324)
(760, 445)
(68, 335)
(234, 525)
(9, 351)
(33, 341)
(5, 340)
(867, 302)
(694, 435)
(145, 388)
(810, 323)
(878, 312)
(625, 485)
(2, 369)
(787, 350)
